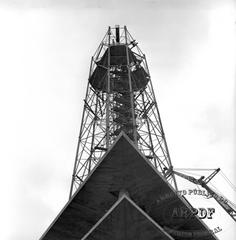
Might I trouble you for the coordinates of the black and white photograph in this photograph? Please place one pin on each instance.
(118, 119)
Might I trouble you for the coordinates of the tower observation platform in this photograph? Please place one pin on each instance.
(122, 164)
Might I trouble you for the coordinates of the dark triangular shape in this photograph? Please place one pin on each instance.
(122, 167)
(125, 220)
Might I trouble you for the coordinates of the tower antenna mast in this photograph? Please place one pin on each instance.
(119, 98)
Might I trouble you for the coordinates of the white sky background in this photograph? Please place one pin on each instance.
(45, 51)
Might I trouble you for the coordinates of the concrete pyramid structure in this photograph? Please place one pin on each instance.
(125, 220)
(124, 198)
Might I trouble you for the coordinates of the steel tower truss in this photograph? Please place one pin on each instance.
(120, 97)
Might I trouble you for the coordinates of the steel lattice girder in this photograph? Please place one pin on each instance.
(119, 97)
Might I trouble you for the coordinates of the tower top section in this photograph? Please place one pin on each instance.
(118, 35)
(119, 98)
(118, 51)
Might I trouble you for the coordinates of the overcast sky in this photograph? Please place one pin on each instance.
(45, 52)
